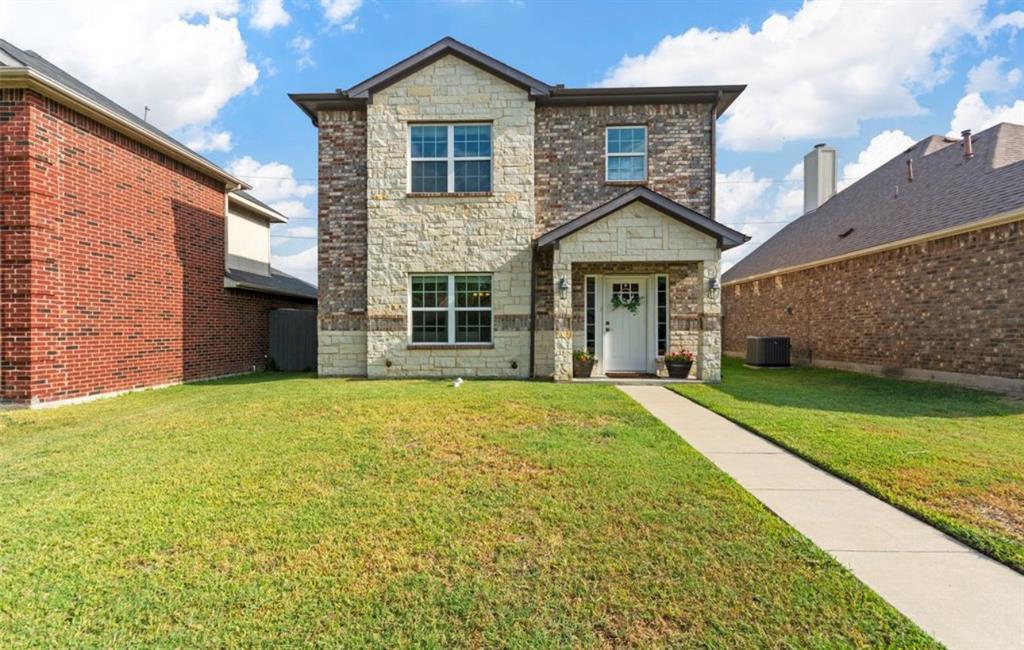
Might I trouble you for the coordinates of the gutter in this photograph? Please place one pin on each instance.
(998, 220)
(235, 284)
(23, 77)
(270, 215)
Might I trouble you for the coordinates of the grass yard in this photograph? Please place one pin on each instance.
(289, 510)
(951, 456)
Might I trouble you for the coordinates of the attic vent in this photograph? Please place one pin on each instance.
(845, 233)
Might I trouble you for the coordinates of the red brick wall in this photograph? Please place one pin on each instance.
(124, 267)
(951, 305)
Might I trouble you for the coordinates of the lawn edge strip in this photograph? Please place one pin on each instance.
(957, 531)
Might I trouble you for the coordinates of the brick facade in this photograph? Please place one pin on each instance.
(570, 161)
(112, 263)
(951, 305)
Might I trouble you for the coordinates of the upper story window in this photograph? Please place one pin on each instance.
(446, 158)
(626, 153)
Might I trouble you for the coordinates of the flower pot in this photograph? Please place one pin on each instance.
(582, 369)
(678, 369)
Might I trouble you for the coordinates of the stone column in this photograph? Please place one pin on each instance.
(709, 349)
(561, 316)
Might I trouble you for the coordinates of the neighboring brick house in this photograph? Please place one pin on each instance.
(476, 221)
(120, 265)
(915, 270)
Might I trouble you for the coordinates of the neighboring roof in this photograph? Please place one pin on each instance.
(19, 68)
(948, 192)
(251, 203)
(358, 95)
(727, 237)
(277, 282)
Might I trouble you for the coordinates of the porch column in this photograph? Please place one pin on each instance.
(709, 347)
(561, 316)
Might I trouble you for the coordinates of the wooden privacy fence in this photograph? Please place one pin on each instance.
(293, 339)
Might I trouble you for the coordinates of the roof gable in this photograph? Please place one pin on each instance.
(444, 47)
(725, 236)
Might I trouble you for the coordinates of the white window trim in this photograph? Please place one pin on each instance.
(450, 159)
(608, 156)
(668, 315)
(452, 310)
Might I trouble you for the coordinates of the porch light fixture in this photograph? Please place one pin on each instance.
(712, 288)
(563, 286)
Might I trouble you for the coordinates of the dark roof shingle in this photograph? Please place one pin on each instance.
(948, 190)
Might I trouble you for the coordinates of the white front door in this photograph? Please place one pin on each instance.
(625, 328)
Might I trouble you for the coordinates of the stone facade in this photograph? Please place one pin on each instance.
(570, 146)
(949, 309)
(431, 234)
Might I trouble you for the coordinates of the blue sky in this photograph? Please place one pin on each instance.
(866, 77)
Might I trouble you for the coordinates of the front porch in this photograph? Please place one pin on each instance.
(629, 282)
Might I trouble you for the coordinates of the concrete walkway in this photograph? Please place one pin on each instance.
(959, 596)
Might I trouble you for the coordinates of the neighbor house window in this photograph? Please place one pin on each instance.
(447, 158)
(626, 153)
(451, 308)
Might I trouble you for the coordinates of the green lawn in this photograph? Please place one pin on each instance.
(290, 510)
(951, 456)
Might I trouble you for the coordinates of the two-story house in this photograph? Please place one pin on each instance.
(476, 221)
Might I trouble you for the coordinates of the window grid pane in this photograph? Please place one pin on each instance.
(430, 327)
(429, 176)
(429, 141)
(627, 139)
(662, 315)
(430, 291)
(472, 326)
(472, 175)
(472, 141)
(473, 291)
(625, 168)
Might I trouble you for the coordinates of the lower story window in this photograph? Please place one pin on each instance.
(452, 308)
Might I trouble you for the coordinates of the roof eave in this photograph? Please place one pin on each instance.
(247, 286)
(270, 214)
(721, 96)
(312, 103)
(24, 77)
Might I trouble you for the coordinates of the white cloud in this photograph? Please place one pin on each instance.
(341, 12)
(1014, 21)
(817, 73)
(882, 148)
(275, 184)
(301, 265)
(302, 45)
(736, 192)
(184, 60)
(204, 139)
(972, 112)
(295, 231)
(757, 207)
(989, 76)
(268, 14)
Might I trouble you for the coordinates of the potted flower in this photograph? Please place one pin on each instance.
(582, 363)
(679, 363)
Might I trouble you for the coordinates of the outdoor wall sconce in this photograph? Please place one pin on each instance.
(713, 288)
(563, 286)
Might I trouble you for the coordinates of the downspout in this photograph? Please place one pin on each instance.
(533, 305)
(714, 137)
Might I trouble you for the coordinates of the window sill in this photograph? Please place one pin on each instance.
(449, 346)
(627, 183)
(446, 195)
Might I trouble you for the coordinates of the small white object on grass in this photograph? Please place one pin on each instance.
(457, 382)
